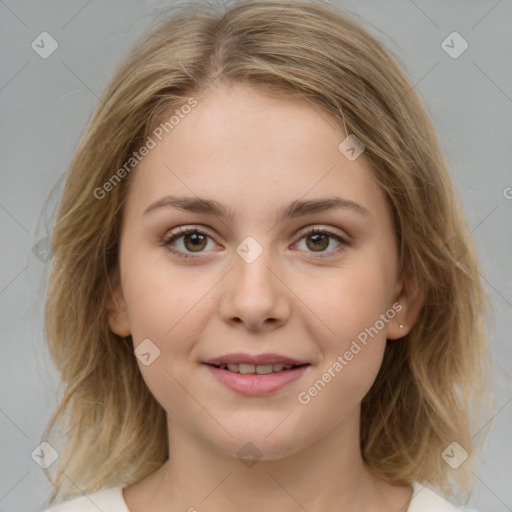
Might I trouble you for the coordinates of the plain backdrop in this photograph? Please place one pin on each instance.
(45, 105)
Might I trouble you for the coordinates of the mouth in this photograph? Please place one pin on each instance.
(259, 369)
(256, 375)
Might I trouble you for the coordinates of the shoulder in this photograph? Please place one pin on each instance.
(107, 499)
(425, 499)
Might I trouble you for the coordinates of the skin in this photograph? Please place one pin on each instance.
(257, 154)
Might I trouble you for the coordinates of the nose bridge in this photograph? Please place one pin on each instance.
(254, 294)
(252, 274)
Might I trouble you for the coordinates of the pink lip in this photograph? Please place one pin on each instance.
(255, 384)
(253, 359)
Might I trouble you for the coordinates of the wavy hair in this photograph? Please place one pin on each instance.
(430, 381)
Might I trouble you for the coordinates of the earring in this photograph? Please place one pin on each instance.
(401, 326)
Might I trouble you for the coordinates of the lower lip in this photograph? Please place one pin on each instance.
(254, 384)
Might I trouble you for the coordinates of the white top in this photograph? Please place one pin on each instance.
(111, 500)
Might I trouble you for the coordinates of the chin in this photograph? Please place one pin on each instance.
(256, 442)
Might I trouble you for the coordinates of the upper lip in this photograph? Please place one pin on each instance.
(240, 358)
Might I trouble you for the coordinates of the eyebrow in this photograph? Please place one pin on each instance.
(295, 209)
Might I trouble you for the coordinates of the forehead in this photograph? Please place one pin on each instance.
(249, 150)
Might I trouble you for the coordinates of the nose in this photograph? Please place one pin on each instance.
(254, 295)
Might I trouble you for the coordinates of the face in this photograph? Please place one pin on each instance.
(317, 288)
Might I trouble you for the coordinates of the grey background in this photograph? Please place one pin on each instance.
(45, 104)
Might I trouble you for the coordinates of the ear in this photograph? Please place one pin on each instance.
(117, 314)
(407, 302)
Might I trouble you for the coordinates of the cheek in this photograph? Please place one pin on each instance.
(161, 298)
(349, 302)
(355, 334)
(162, 311)
(352, 361)
(168, 307)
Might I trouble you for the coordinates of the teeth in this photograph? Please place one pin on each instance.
(246, 368)
(260, 369)
(264, 368)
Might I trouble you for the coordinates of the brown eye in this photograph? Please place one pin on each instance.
(194, 242)
(188, 240)
(317, 242)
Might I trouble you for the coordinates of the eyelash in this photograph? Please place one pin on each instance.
(183, 232)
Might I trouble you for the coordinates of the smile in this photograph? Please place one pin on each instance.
(260, 369)
(256, 380)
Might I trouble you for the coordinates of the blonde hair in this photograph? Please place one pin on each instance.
(429, 382)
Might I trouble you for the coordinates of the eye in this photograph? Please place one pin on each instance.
(318, 240)
(194, 241)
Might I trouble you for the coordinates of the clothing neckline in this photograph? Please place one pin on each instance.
(414, 503)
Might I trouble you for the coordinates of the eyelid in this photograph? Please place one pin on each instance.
(323, 228)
